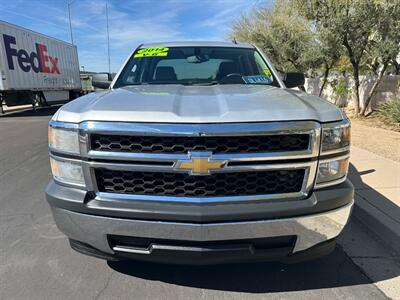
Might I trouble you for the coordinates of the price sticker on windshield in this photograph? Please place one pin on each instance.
(151, 52)
(267, 72)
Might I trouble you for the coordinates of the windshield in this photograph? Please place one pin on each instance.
(196, 66)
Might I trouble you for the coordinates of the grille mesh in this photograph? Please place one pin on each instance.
(218, 144)
(181, 184)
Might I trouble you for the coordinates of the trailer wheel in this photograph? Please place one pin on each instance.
(35, 98)
(43, 101)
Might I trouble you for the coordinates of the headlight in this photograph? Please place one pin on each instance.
(335, 137)
(67, 171)
(332, 171)
(64, 140)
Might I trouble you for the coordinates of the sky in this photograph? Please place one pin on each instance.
(130, 23)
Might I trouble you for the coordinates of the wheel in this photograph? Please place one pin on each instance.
(35, 98)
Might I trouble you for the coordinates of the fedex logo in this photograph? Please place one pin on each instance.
(38, 61)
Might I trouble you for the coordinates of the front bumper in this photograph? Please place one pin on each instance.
(94, 230)
(81, 201)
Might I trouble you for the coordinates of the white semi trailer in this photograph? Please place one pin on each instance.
(35, 68)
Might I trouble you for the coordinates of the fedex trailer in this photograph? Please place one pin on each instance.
(36, 69)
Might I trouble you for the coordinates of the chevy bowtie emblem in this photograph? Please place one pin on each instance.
(200, 163)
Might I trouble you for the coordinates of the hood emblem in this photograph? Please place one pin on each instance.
(200, 163)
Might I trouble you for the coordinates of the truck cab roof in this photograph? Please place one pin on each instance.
(199, 44)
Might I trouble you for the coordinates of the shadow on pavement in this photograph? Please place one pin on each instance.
(383, 205)
(355, 177)
(40, 112)
(334, 270)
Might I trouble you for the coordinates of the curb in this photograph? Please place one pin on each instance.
(379, 222)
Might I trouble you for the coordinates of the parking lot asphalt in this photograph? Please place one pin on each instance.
(36, 261)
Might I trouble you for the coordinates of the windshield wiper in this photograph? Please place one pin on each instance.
(135, 83)
(201, 83)
(171, 82)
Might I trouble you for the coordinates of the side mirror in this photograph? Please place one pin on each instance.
(101, 84)
(294, 79)
(101, 80)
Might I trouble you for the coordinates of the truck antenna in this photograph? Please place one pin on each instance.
(108, 41)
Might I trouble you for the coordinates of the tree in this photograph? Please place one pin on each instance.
(291, 39)
(396, 66)
(384, 42)
(330, 52)
(356, 35)
(325, 33)
(368, 30)
(281, 33)
(349, 21)
(315, 34)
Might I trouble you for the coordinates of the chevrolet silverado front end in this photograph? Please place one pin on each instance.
(199, 153)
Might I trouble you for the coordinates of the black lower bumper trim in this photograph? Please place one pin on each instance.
(91, 251)
(205, 255)
(192, 252)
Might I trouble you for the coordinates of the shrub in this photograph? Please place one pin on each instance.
(341, 91)
(390, 111)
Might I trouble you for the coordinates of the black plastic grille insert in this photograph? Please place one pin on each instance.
(185, 185)
(215, 144)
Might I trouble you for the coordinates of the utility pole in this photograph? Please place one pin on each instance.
(69, 18)
(108, 42)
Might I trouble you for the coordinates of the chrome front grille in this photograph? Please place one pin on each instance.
(254, 161)
(214, 144)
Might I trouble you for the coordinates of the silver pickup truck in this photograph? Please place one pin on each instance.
(200, 153)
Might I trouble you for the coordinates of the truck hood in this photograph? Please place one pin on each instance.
(198, 104)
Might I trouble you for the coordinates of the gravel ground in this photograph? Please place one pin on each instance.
(383, 142)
